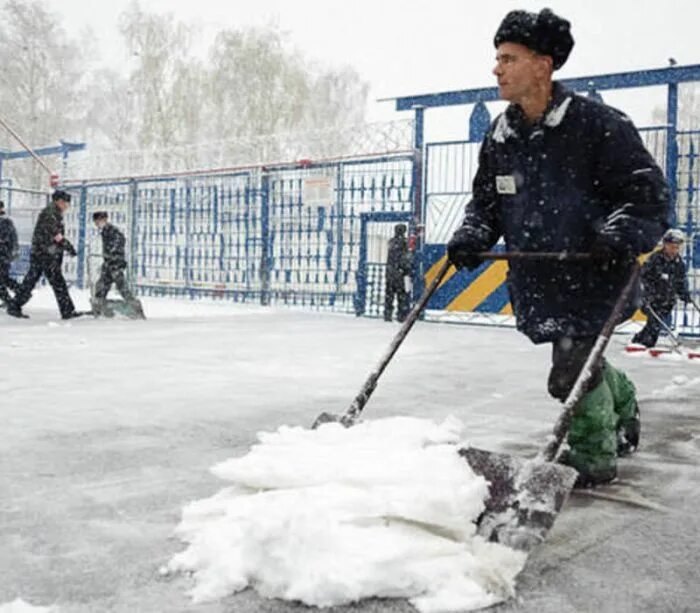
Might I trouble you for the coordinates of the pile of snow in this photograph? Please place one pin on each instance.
(334, 515)
(20, 606)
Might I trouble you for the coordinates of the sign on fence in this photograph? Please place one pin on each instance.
(317, 190)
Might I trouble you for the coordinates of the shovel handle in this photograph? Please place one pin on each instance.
(358, 404)
(563, 256)
(361, 399)
(667, 329)
(561, 427)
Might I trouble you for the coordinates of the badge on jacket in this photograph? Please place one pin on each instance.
(505, 184)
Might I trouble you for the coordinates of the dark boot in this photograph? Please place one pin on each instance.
(628, 434)
(15, 310)
(629, 425)
(72, 315)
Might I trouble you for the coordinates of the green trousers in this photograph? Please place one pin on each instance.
(598, 416)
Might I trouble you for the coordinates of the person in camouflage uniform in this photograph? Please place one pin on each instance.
(663, 278)
(48, 245)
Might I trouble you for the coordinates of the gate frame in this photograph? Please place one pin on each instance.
(479, 122)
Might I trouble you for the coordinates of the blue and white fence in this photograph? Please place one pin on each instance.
(288, 234)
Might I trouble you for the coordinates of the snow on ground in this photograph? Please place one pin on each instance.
(110, 428)
(19, 606)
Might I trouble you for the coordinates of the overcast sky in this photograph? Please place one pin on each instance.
(406, 47)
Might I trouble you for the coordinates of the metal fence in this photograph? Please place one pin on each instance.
(289, 234)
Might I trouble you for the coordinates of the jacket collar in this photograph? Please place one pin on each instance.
(512, 123)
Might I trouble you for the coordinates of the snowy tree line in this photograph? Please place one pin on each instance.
(250, 82)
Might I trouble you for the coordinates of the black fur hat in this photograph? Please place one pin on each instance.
(59, 194)
(544, 32)
(97, 215)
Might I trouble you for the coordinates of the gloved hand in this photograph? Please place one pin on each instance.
(461, 252)
(68, 247)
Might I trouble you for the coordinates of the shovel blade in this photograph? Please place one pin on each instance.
(329, 418)
(525, 496)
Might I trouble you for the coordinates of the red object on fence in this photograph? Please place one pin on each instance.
(53, 180)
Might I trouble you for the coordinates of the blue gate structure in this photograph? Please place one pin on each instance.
(449, 167)
(313, 234)
(285, 234)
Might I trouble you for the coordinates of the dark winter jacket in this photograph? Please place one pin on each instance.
(8, 240)
(48, 225)
(663, 279)
(398, 263)
(580, 174)
(113, 243)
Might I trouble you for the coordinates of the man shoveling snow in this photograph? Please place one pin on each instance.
(330, 516)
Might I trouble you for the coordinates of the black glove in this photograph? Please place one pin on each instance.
(68, 247)
(461, 253)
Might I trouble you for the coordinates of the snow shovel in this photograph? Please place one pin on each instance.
(361, 399)
(353, 413)
(675, 343)
(527, 495)
(108, 308)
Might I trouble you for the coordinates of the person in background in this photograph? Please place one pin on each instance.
(48, 245)
(398, 267)
(9, 249)
(663, 278)
(113, 266)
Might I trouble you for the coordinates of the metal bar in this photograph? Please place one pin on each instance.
(621, 80)
(82, 233)
(30, 151)
(672, 149)
(266, 259)
(674, 340)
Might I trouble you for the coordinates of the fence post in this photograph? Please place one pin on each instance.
(265, 259)
(188, 239)
(133, 230)
(82, 229)
(419, 166)
(339, 240)
(360, 298)
(672, 149)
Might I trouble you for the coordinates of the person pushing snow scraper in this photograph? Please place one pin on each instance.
(663, 278)
(559, 172)
(113, 272)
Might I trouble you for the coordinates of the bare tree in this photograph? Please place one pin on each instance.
(41, 80)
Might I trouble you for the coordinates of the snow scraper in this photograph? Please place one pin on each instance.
(527, 495)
